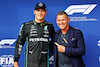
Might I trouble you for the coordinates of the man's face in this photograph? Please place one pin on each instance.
(39, 14)
(62, 21)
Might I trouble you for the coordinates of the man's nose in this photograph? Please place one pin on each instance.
(61, 21)
(40, 11)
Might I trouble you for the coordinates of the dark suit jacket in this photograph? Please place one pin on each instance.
(75, 48)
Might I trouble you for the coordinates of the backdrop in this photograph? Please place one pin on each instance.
(83, 14)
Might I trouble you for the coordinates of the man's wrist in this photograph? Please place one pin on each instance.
(15, 63)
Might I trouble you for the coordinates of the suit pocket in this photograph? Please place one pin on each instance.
(73, 44)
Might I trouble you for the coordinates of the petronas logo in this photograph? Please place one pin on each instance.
(45, 28)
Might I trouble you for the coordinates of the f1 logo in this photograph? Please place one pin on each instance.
(99, 58)
(7, 41)
(85, 9)
(98, 43)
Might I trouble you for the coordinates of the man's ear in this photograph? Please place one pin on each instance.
(46, 13)
(68, 19)
(34, 11)
(56, 19)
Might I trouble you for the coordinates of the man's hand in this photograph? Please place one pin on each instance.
(61, 48)
(75, 28)
(16, 64)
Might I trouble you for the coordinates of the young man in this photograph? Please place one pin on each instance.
(69, 44)
(36, 35)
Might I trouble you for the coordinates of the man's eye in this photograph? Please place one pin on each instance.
(37, 10)
(63, 20)
(58, 20)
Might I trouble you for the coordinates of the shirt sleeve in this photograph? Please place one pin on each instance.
(19, 43)
(51, 33)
